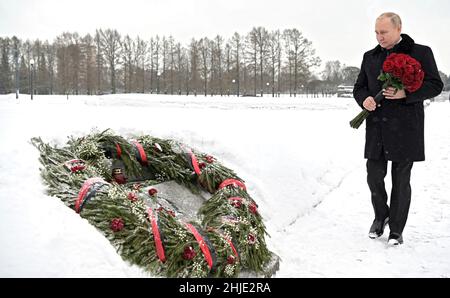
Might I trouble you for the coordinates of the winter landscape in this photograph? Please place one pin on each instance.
(300, 159)
(264, 87)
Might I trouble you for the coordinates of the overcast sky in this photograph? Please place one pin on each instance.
(339, 30)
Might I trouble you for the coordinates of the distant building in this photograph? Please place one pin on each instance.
(345, 91)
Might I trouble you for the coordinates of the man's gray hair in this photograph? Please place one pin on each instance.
(395, 18)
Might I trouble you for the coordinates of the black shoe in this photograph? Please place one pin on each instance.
(377, 228)
(395, 239)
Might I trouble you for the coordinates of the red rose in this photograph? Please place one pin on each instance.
(397, 72)
(409, 69)
(414, 63)
(420, 76)
(152, 191)
(189, 253)
(417, 67)
(400, 60)
(414, 87)
(117, 224)
(408, 79)
(388, 66)
(392, 56)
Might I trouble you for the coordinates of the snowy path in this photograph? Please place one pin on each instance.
(333, 238)
(301, 162)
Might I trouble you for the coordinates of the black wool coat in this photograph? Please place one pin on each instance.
(395, 130)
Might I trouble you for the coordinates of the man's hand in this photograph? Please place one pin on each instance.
(392, 93)
(369, 104)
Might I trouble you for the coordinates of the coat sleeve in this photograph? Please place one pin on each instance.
(360, 90)
(432, 83)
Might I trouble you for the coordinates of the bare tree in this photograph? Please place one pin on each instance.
(127, 54)
(155, 60)
(237, 48)
(252, 51)
(245, 62)
(88, 50)
(152, 64)
(63, 62)
(228, 67)
(16, 54)
(111, 44)
(219, 54)
(171, 48)
(349, 75)
(180, 62)
(274, 50)
(165, 46)
(140, 61)
(5, 68)
(300, 55)
(99, 60)
(262, 41)
(332, 72)
(204, 64)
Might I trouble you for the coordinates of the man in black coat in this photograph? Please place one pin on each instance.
(395, 126)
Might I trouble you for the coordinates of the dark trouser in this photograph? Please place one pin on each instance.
(400, 194)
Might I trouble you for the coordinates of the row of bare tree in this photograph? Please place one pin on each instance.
(252, 64)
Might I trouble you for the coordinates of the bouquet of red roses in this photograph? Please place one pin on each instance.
(400, 71)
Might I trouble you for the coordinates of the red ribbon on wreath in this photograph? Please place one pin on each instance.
(193, 161)
(119, 150)
(142, 156)
(156, 235)
(233, 182)
(202, 243)
(87, 185)
(195, 164)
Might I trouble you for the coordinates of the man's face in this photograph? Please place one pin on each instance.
(387, 34)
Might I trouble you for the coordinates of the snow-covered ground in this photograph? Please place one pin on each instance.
(302, 163)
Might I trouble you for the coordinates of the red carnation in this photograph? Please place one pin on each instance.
(152, 191)
(132, 197)
(251, 239)
(253, 209)
(117, 224)
(161, 209)
(236, 203)
(231, 259)
(189, 253)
